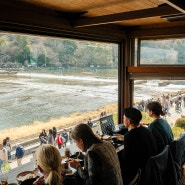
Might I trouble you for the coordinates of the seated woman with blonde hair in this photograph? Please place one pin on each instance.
(49, 163)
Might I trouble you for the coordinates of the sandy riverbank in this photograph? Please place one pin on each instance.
(33, 130)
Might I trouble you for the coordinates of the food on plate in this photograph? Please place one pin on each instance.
(25, 175)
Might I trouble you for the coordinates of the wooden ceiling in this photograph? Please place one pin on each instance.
(108, 19)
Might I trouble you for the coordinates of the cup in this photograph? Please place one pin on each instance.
(4, 181)
(67, 153)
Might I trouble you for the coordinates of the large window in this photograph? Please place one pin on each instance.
(55, 82)
(171, 95)
(160, 77)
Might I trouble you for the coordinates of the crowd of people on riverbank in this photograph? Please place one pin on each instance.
(167, 101)
(55, 137)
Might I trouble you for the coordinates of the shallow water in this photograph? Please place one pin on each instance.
(151, 89)
(26, 98)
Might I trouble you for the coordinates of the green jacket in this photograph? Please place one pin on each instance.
(162, 132)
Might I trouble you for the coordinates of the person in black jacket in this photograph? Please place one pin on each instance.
(54, 132)
(43, 137)
(139, 145)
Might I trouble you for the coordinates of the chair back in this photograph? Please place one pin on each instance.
(177, 148)
(160, 169)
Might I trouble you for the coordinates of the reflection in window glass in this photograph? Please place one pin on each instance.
(171, 95)
(54, 81)
(162, 52)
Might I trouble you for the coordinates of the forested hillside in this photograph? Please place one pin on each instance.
(32, 51)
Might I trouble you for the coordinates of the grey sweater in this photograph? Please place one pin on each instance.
(101, 166)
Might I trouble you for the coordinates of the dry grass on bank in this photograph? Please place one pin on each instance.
(35, 128)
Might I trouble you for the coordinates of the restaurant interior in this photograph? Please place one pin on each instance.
(128, 23)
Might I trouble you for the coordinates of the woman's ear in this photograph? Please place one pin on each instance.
(81, 141)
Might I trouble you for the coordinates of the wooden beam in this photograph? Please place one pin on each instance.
(177, 4)
(158, 32)
(28, 14)
(26, 18)
(138, 14)
(157, 70)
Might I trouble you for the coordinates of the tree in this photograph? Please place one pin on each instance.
(22, 45)
(180, 122)
(94, 55)
(66, 50)
(3, 50)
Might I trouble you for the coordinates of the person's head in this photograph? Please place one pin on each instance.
(7, 138)
(49, 163)
(132, 117)
(58, 134)
(84, 137)
(17, 145)
(50, 131)
(155, 109)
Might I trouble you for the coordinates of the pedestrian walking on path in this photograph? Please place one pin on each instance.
(19, 153)
(59, 141)
(7, 145)
(3, 156)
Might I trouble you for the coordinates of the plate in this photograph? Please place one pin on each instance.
(25, 176)
(118, 137)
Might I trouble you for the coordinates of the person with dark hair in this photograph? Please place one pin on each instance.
(90, 123)
(50, 137)
(65, 137)
(101, 164)
(160, 128)
(3, 156)
(54, 132)
(19, 153)
(43, 137)
(59, 140)
(7, 145)
(139, 146)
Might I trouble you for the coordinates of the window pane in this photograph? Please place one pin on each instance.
(47, 79)
(171, 95)
(162, 52)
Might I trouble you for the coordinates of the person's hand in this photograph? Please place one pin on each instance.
(74, 163)
(39, 181)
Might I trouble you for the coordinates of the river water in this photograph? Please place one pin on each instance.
(26, 98)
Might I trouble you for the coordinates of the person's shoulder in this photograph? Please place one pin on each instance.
(130, 134)
(162, 120)
(145, 131)
(142, 128)
(152, 124)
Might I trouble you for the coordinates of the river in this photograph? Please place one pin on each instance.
(26, 98)
(29, 97)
